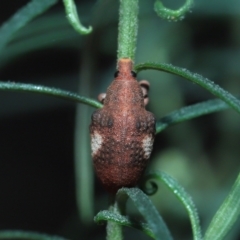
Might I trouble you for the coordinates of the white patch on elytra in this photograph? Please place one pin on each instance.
(96, 142)
(147, 144)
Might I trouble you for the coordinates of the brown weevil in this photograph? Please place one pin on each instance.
(122, 132)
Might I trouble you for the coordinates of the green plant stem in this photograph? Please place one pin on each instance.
(226, 215)
(128, 27)
(54, 92)
(27, 235)
(114, 230)
(22, 17)
(195, 78)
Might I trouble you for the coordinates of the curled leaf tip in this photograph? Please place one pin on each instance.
(149, 187)
(172, 15)
(182, 196)
(72, 16)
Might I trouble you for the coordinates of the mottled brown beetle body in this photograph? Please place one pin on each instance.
(122, 132)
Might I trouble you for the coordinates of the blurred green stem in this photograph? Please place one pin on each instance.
(27, 235)
(128, 27)
(83, 162)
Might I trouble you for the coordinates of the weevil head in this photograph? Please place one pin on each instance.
(125, 71)
(125, 91)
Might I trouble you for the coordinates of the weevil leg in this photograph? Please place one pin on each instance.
(101, 97)
(145, 88)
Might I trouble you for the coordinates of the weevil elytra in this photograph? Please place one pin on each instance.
(122, 132)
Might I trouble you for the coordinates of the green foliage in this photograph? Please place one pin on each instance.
(181, 195)
(154, 227)
(107, 215)
(195, 78)
(148, 211)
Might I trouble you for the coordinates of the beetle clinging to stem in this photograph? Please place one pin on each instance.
(122, 132)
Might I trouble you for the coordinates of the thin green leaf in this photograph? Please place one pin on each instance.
(148, 211)
(73, 18)
(55, 92)
(22, 17)
(196, 78)
(122, 220)
(182, 196)
(226, 215)
(127, 29)
(190, 112)
(27, 235)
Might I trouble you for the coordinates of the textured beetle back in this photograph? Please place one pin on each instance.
(122, 134)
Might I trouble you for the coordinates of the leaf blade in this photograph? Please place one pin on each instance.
(196, 78)
(182, 196)
(226, 215)
(190, 112)
(106, 215)
(22, 17)
(148, 211)
(50, 91)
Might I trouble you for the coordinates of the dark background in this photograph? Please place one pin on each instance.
(37, 177)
